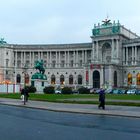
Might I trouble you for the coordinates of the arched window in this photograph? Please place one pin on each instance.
(18, 78)
(129, 79)
(62, 79)
(138, 79)
(53, 79)
(79, 79)
(26, 78)
(71, 79)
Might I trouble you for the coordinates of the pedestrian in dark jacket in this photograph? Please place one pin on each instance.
(25, 92)
(101, 99)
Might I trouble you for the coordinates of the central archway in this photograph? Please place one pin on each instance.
(115, 79)
(96, 79)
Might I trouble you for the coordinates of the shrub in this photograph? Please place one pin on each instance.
(84, 90)
(31, 89)
(66, 90)
(48, 90)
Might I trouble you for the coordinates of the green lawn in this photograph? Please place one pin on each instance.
(64, 98)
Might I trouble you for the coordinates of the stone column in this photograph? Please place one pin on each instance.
(136, 55)
(41, 53)
(117, 47)
(50, 59)
(132, 56)
(110, 77)
(74, 58)
(83, 60)
(112, 52)
(38, 55)
(126, 55)
(21, 58)
(56, 58)
(30, 59)
(97, 47)
(24, 57)
(15, 58)
(124, 59)
(102, 76)
(33, 59)
(59, 59)
(65, 65)
(47, 59)
(68, 59)
(77, 61)
(85, 56)
(93, 45)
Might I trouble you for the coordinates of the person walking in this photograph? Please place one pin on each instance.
(24, 94)
(101, 99)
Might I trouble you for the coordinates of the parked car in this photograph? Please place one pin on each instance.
(131, 91)
(75, 91)
(123, 91)
(57, 91)
(108, 91)
(116, 91)
(137, 92)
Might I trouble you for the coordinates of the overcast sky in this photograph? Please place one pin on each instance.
(62, 21)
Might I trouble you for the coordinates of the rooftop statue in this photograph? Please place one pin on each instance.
(106, 21)
(2, 41)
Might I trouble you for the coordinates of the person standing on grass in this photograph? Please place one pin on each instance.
(101, 99)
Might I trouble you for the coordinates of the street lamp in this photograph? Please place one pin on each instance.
(25, 72)
(75, 83)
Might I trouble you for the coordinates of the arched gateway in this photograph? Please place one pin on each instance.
(96, 79)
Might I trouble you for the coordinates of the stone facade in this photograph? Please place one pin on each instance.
(111, 60)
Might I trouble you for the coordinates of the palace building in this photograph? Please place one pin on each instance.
(111, 59)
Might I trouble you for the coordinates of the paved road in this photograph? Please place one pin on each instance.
(18, 123)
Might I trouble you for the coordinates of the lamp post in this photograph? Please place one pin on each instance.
(24, 72)
(75, 84)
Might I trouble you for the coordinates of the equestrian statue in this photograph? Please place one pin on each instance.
(39, 66)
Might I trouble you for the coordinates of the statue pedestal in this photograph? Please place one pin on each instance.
(39, 81)
(39, 84)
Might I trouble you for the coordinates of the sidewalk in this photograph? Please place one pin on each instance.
(76, 108)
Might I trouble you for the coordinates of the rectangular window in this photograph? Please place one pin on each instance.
(7, 62)
(62, 63)
(53, 64)
(71, 63)
(80, 63)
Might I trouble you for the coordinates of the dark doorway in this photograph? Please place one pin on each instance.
(115, 79)
(96, 79)
(18, 79)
